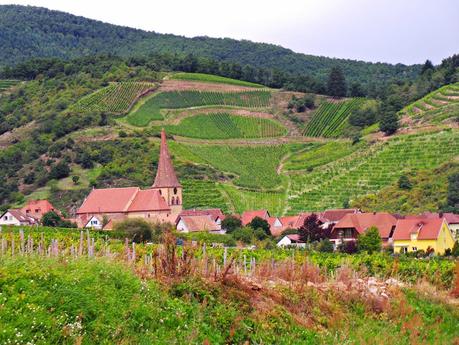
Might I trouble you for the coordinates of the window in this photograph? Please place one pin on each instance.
(175, 191)
(405, 250)
(5, 218)
(177, 201)
(415, 249)
(37, 210)
(160, 192)
(94, 222)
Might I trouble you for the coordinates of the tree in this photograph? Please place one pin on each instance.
(244, 235)
(428, 66)
(311, 230)
(389, 122)
(136, 229)
(51, 218)
(336, 83)
(231, 223)
(404, 182)
(370, 241)
(356, 90)
(260, 223)
(60, 170)
(75, 179)
(452, 199)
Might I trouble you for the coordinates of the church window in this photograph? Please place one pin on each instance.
(175, 191)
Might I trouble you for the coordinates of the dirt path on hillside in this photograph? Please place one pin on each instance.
(188, 85)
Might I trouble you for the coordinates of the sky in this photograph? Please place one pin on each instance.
(395, 31)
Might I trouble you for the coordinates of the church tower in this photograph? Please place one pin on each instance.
(166, 180)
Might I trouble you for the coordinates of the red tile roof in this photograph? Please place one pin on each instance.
(247, 216)
(451, 218)
(20, 216)
(121, 200)
(213, 212)
(43, 205)
(295, 238)
(336, 215)
(148, 200)
(199, 223)
(362, 221)
(426, 228)
(165, 176)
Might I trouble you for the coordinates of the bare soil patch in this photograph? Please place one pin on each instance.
(188, 85)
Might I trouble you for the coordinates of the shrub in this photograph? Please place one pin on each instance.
(325, 246)
(370, 241)
(244, 235)
(260, 223)
(136, 229)
(231, 223)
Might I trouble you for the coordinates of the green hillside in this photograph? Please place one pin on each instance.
(213, 79)
(437, 106)
(427, 191)
(31, 32)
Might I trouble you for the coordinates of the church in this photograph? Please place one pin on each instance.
(160, 203)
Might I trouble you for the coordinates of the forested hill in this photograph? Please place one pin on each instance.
(30, 32)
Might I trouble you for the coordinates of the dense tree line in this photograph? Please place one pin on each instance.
(28, 32)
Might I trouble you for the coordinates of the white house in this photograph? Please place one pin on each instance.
(16, 217)
(291, 240)
(198, 223)
(94, 223)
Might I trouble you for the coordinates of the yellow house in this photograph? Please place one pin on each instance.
(419, 233)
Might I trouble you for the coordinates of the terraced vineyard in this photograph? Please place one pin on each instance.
(226, 126)
(331, 117)
(202, 194)
(116, 98)
(243, 200)
(367, 171)
(6, 84)
(213, 79)
(437, 106)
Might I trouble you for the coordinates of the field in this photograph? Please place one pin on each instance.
(331, 117)
(226, 126)
(116, 98)
(369, 170)
(60, 288)
(437, 106)
(6, 84)
(213, 79)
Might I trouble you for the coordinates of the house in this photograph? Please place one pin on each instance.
(16, 217)
(247, 216)
(95, 222)
(331, 217)
(197, 223)
(215, 213)
(453, 223)
(291, 240)
(38, 208)
(160, 203)
(354, 224)
(420, 233)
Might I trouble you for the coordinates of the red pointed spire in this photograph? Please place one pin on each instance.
(165, 176)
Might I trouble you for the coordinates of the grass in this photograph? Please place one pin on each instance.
(226, 126)
(213, 79)
(116, 98)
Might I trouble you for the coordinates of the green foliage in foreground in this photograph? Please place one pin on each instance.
(98, 302)
(212, 79)
(226, 126)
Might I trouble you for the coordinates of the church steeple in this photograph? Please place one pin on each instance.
(165, 176)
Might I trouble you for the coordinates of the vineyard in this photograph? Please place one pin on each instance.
(367, 171)
(437, 106)
(116, 98)
(6, 84)
(144, 113)
(213, 79)
(243, 200)
(254, 166)
(226, 126)
(330, 118)
(202, 194)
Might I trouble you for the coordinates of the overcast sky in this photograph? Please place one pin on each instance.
(406, 31)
